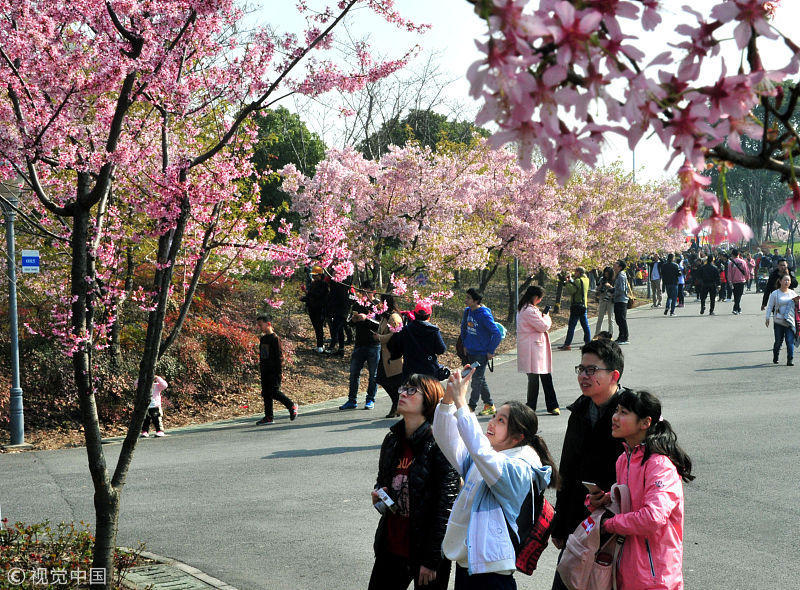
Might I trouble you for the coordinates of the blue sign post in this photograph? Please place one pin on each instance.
(30, 261)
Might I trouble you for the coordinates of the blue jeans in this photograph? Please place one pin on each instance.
(364, 354)
(479, 385)
(575, 317)
(672, 298)
(784, 333)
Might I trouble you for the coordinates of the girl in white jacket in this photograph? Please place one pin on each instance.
(499, 470)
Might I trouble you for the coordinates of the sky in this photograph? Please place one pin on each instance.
(454, 28)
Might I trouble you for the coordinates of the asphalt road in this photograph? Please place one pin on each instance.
(287, 506)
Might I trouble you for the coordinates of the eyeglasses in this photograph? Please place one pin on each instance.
(409, 391)
(589, 369)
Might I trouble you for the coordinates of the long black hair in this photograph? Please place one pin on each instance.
(523, 421)
(660, 438)
(530, 294)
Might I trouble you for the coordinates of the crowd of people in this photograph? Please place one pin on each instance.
(450, 492)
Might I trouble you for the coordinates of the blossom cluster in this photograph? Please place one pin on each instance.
(559, 76)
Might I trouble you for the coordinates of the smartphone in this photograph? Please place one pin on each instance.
(468, 370)
(592, 487)
(546, 310)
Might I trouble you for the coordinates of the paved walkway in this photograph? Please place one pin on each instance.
(287, 506)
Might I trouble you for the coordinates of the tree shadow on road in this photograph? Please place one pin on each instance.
(739, 368)
(731, 352)
(293, 454)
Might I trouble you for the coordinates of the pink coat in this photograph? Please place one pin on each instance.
(533, 341)
(652, 556)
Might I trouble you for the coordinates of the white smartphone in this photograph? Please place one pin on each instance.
(592, 487)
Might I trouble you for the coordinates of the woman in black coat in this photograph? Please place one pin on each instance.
(423, 485)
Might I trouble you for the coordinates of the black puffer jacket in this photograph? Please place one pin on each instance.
(709, 275)
(419, 343)
(433, 485)
(317, 296)
(589, 454)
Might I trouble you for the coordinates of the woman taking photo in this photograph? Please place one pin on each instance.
(417, 476)
(781, 305)
(499, 469)
(390, 371)
(534, 355)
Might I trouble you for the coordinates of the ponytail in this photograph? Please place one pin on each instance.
(660, 439)
(523, 421)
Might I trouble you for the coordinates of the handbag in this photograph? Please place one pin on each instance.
(589, 560)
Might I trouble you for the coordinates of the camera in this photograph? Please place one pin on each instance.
(385, 503)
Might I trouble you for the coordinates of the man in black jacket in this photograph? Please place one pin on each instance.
(772, 281)
(366, 350)
(670, 272)
(709, 282)
(590, 452)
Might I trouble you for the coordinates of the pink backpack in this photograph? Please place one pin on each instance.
(589, 560)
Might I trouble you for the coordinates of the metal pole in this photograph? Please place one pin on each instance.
(516, 287)
(17, 417)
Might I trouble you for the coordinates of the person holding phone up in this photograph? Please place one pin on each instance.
(534, 355)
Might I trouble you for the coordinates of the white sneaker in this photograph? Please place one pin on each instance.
(144, 434)
(320, 350)
(160, 433)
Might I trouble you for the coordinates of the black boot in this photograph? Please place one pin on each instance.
(775, 357)
(789, 362)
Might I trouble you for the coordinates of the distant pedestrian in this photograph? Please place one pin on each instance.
(499, 468)
(781, 307)
(417, 476)
(655, 280)
(390, 370)
(621, 289)
(534, 356)
(738, 271)
(366, 349)
(605, 300)
(419, 342)
(338, 310)
(782, 269)
(270, 364)
(154, 411)
(709, 282)
(481, 337)
(669, 276)
(315, 299)
(577, 288)
(652, 467)
(751, 270)
(681, 279)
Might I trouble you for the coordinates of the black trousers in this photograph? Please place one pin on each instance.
(317, 317)
(271, 390)
(550, 399)
(483, 581)
(390, 384)
(392, 572)
(621, 318)
(153, 415)
(705, 291)
(738, 289)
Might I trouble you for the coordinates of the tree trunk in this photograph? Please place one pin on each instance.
(106, 499)
(115, 351)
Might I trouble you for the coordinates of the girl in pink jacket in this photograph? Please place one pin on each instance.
(652, 466)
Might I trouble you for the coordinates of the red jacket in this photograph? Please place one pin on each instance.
(652, 556)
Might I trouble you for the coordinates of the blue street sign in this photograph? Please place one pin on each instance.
(30, 261)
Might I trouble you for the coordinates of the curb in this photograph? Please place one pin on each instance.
(185, 576)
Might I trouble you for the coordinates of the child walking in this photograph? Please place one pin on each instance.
(270, 364)
(499, 468)
(154, 413)
(652, 467)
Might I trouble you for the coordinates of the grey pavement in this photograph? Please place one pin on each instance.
(287, 506)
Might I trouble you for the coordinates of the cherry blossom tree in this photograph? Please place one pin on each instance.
(560, 75)
(113, 111)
